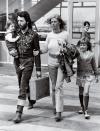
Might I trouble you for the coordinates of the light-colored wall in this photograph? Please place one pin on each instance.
(4, 55)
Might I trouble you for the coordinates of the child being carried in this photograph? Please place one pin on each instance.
(11, 38)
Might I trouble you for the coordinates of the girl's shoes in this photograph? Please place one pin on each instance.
(58, 117)
(81, 111)
(87, 116)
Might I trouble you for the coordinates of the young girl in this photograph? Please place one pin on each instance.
(11, 38)
(86, 73)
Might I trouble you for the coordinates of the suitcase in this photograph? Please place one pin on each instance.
(39, 87)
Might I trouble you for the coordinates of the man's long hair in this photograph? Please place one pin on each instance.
(26, 15)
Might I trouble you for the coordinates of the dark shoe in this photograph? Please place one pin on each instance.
(17, 118)
(31, 104)
(19, 111)
(58, 117)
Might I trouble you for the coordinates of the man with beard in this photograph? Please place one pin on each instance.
(27, 42)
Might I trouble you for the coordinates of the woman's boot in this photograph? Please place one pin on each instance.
(58, 117)
(18, 116)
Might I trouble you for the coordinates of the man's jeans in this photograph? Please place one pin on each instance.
(57, 79)
(24, 77)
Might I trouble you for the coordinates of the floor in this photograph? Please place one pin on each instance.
(41, 117)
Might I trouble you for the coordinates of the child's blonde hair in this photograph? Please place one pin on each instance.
(9, 22)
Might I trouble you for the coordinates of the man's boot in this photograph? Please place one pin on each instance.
(31, 103)
(18, 116)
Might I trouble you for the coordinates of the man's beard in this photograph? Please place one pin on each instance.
(23, 27)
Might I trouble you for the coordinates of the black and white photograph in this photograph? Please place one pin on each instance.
(49, 65)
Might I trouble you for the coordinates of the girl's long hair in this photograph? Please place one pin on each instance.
(85, 41)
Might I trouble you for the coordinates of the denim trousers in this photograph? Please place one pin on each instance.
(57, 79)
(23, 79)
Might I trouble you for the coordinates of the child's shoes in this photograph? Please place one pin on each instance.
(87, 116)
(81, 111)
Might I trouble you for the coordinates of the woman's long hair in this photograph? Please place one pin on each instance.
(58, 17)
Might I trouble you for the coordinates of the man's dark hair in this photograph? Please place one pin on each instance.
(26, 15)
(86, 23)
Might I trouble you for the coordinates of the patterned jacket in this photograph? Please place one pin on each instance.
(28, 42)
